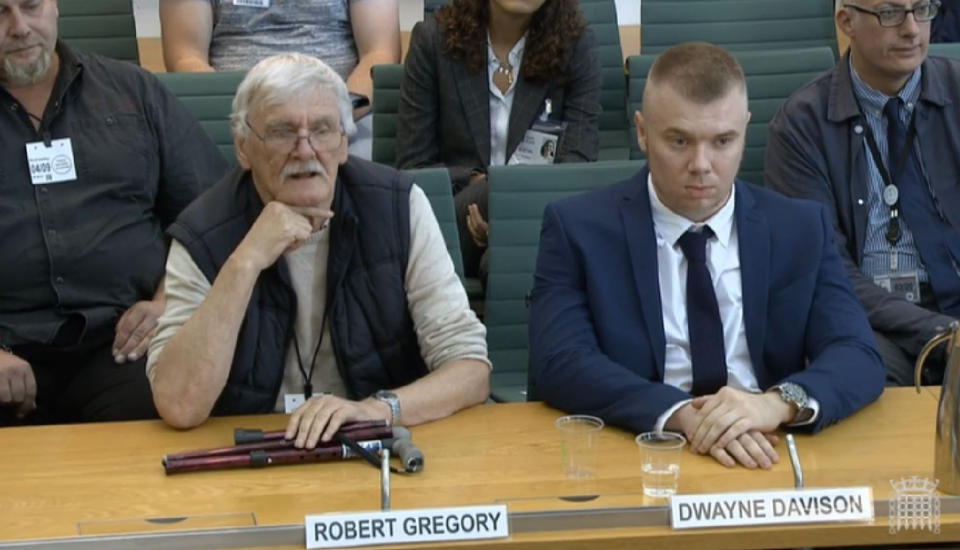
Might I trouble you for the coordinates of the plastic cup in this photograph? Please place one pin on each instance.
(660, 462)
(579, 436)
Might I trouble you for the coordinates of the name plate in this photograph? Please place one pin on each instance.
(403, 526)
(771, 507)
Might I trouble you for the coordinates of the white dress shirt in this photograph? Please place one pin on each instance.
(723, 263)
(501, 103)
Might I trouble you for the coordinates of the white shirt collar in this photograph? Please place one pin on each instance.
(670, 226)
(513, 58)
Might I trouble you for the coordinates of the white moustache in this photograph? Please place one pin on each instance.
(302, 167)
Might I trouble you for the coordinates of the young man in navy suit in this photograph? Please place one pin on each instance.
(680, 300)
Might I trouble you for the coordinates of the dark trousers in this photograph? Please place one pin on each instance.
(82, 383)
(474, 257)
(900, 362)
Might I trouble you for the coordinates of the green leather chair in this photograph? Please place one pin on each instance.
(386, 101)
(738, 24)
(771, 77)
(946, 49)
(518, 195)
(208, 96)
(104, 27)
(435, 183)
(431, 6)
(614, 125)
(601, 15)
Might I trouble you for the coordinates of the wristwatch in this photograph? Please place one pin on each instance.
(793, 394)
(392, 401)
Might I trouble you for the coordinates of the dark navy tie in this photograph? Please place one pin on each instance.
(703, 317)
(937, 242)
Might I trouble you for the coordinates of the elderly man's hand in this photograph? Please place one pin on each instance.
(726, 415)
(279, 228)
(135, 328)
(18, 387)
(320, 417)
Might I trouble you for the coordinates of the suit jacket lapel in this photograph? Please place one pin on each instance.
(753, 235)
(527, 100)
(474, 90)
(642, 244)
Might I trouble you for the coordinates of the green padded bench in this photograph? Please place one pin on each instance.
(738, 24)
(208, 96)
(518, 196)
(950, 49)
(771, 77)
(386, 101)
(614, 125)
(104, 27)
(431, 6)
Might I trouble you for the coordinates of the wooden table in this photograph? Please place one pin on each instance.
(104, 479)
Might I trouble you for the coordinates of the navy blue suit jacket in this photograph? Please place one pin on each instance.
(596, 327)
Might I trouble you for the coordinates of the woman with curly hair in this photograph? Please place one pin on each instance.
(477, 77)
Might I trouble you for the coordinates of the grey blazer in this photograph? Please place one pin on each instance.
(444, 111)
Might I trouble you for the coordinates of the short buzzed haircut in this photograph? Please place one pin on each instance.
(698, 71)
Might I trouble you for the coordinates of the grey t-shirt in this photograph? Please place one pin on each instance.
(244, 33)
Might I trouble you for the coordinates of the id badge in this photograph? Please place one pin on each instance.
(535, 148)
(252, 3)
(292, 402)
(53, 164)
(540, 143)
(906, 285)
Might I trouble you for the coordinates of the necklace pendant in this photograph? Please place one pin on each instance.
(506, 70)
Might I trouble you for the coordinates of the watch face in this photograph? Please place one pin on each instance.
(794, 394)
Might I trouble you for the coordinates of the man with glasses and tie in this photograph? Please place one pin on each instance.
(684, 299)
(877, 141)
(311, 282)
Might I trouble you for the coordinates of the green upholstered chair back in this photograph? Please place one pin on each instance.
(614, 126)
(738, 24)
(208, 97)
(386, 100)
(771, 77)
(431, 6)
(518, 196)
(945, 49)
(104, 27)
(435, 183)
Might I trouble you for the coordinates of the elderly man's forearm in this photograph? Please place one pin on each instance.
(455, 385)
(194, 365)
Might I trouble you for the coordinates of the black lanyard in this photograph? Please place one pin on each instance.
(890, 188)
(307, 377)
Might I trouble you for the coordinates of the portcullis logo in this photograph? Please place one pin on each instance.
(914, 505)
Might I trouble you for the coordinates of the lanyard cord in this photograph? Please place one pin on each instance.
(893, 229)
(308, 377)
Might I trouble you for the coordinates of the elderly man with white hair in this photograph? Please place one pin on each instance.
(309, 281)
